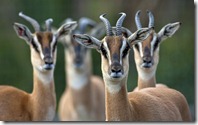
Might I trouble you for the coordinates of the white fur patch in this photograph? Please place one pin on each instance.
(39, 47)
(113, 88)
(141, 51)
(108, 52)
(45, 77)
(122, 49)
(77, 80)
(146, 76)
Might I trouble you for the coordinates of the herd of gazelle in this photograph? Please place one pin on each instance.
(88, 97)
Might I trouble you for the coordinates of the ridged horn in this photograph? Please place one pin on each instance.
(107, 25)
(31, 20)
(119, 24)
(151, 19)
(137, 20)
(48, 23)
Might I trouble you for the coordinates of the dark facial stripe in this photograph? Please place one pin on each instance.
(45, 40)
(114, 44)
(156, 44)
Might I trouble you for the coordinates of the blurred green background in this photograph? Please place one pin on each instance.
(177, 54)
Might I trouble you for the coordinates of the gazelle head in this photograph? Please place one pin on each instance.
(113, 48)
(78, 54)
(146, 53)
(42, 43)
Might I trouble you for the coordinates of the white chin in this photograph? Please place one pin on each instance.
(146, 65)
(46, 67)
(116, 75)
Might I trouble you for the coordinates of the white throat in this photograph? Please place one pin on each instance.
(145, 76)
(45, 77)
(76, 79)
(113, 86)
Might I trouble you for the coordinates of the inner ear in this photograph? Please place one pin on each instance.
(23, 32)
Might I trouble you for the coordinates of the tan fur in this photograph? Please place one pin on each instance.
(87, 103)
(44, 38)
(115, 44)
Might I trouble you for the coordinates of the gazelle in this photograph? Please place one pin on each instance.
(83, 98)
(149, 104)
(40, 105)
(146, 53)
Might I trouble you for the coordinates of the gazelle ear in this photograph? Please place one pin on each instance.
(66, 28)
(87, 41)
(139, 36)
(168, 30)
(23, 32)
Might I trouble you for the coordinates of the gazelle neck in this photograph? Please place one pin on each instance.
(146, 78)
(43, 95)
(117, 103)
(77, 78)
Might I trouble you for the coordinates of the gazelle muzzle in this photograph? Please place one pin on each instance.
(116, 70)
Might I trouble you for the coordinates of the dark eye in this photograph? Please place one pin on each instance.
(104, 52)
(54, 47)
(156, 44)
(136, 47)
(125, 52)
(35, 46)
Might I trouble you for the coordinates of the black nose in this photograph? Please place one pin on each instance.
(116, 68)
(48, 60)
(147, 59)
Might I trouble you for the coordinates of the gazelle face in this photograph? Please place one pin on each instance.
(114, 48)
(114, 51)
(146, 52)
(78, 53)
(43, 49)
(42, 44)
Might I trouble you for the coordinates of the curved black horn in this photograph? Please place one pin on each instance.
(84, 22)
(48, 23)
(151, 19)
(137, 20)
(31, 20)
(119, 24)
(107, 25)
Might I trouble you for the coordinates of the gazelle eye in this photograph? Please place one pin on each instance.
(35, 46)
(125, 52)
(156, 44)
(104, 52)
(54, 46)
(136, 47)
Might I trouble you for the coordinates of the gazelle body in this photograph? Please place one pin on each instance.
(149, 104)
(40, 105)
(83, 98)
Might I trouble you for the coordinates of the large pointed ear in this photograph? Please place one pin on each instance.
(139, 36)
(23, 32)
(168, 30)
(66, 28)
(87, 41)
